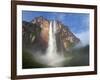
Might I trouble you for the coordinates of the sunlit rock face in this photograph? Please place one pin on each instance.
(65, 39)
(44, 25)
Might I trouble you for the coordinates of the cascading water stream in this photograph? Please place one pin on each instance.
(52, 48)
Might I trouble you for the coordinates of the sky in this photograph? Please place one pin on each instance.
(78, 23)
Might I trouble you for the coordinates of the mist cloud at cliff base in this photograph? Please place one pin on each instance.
(84, 38)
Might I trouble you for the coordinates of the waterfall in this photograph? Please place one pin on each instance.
(52, 48)
(52, 57)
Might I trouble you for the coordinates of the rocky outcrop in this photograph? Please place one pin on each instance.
(44, 25)
(65, 38)
(37, 31)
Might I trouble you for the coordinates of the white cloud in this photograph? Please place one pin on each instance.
(84, 37)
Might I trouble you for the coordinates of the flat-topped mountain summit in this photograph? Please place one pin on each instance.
(36, 34)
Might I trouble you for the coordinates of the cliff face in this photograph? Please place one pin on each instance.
(65, 38)
(38, 30)
(44, 25)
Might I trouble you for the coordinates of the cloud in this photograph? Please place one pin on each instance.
(84, 37)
